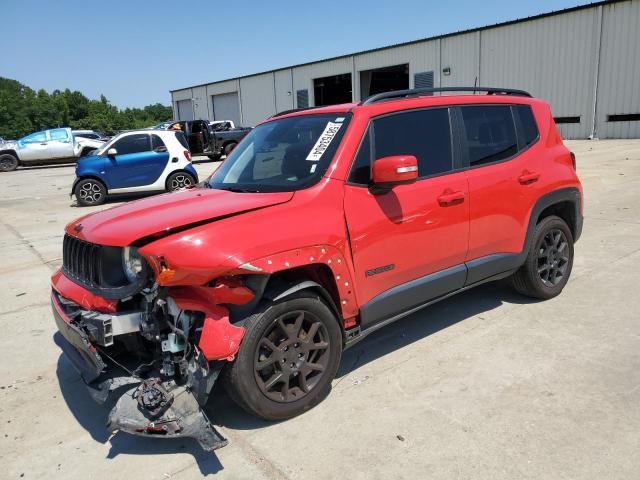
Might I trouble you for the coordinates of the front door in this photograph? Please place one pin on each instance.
(34, 147)
(136, 164)
(409, 243)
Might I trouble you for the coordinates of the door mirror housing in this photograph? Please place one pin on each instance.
(395, 170)
(112, 152)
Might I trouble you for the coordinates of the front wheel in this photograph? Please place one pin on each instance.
(290, 354)
(179, 181)
(90, 192)
(8, 162)
(549, 261)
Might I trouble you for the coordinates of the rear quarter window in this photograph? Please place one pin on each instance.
(527, 127)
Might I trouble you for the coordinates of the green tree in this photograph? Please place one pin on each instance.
(22, 111)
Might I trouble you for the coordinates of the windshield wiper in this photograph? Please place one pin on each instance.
(238, 190)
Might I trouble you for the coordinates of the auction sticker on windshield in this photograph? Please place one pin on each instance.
(324, 141)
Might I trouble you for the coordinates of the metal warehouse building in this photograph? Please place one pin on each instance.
(585, 61)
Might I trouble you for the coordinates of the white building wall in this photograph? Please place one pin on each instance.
(619, 72)
(562, 58)
(257, 98)
(284, 90)
(460, 53)
(552, 58)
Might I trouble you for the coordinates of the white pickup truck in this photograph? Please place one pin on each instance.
(57, 145)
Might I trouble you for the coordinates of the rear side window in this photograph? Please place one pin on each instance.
(156, 142)
(490, 132)
(183, 141)
(136, 143)
(425, 134)
(59, 134)
(527, 127)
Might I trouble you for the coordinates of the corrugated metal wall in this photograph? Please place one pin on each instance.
(567, 59)
(619, 73)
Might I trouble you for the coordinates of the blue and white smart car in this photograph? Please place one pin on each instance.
(137, 161)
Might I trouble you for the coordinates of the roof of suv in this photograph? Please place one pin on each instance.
(407, 99)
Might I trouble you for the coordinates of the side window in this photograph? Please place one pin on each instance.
(38, 137)
(136, 143)
(426, 134)
(527, 128)
(361, 169)
(491, 134)
(59, 134)
(157, 143)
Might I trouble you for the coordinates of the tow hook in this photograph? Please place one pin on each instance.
(163, 410)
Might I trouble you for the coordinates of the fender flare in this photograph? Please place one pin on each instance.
(571, 195)
(282, 290)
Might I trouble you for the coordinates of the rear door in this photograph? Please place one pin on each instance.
(408, 244)
(60, 143)
(502, 177)
(137, 163)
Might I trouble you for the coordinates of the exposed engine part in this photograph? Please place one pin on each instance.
(183, 418)
(102, 327)
(173, 344)
(152, 397)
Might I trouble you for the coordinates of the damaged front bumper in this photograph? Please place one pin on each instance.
(148, 404)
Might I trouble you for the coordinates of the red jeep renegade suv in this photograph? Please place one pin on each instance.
(322, 226)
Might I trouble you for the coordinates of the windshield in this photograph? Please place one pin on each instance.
(282, 155)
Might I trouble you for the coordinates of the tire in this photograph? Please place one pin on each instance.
(229, 147)
(90, 192)
(271, 347)
(549, 262)
(179, 180)
(215, 158)
(8, 162)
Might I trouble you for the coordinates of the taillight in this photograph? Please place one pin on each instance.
(187, 155)
(573, 159)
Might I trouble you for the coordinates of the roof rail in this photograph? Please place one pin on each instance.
(286, 112)
(416, 92)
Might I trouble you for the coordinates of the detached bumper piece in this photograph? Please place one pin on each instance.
(163, 410)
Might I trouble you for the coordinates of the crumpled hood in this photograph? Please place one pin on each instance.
(162, 214)
(12, 144)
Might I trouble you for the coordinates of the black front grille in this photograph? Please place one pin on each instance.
(81, 260)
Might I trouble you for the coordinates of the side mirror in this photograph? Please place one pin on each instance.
(396, 170)
(112, 152)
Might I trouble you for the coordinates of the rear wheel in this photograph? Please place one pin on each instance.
(215, 158)
(179, 181)
(89, 191)
(289, 356)
(549, 262)
(8, 162)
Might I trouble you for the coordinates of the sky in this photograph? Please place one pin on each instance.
(135, 51)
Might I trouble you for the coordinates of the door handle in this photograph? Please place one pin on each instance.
(449, 198)
(528, 177)
(43, 143)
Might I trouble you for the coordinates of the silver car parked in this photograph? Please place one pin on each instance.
(56, 145)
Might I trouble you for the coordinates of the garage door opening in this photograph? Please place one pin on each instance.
(226, 106)
(387, 79)
(332, 90)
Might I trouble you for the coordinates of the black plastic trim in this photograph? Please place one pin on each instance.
(411, 294)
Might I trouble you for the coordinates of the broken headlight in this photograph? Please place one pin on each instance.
(133, 263)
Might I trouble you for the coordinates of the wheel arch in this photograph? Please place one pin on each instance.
(10, 151)
(178, 170)
(566, 203)
(88, 176)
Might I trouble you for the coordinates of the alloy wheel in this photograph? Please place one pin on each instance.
(292, 356)
(180, 181)
(90, 192)
(553, 257)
